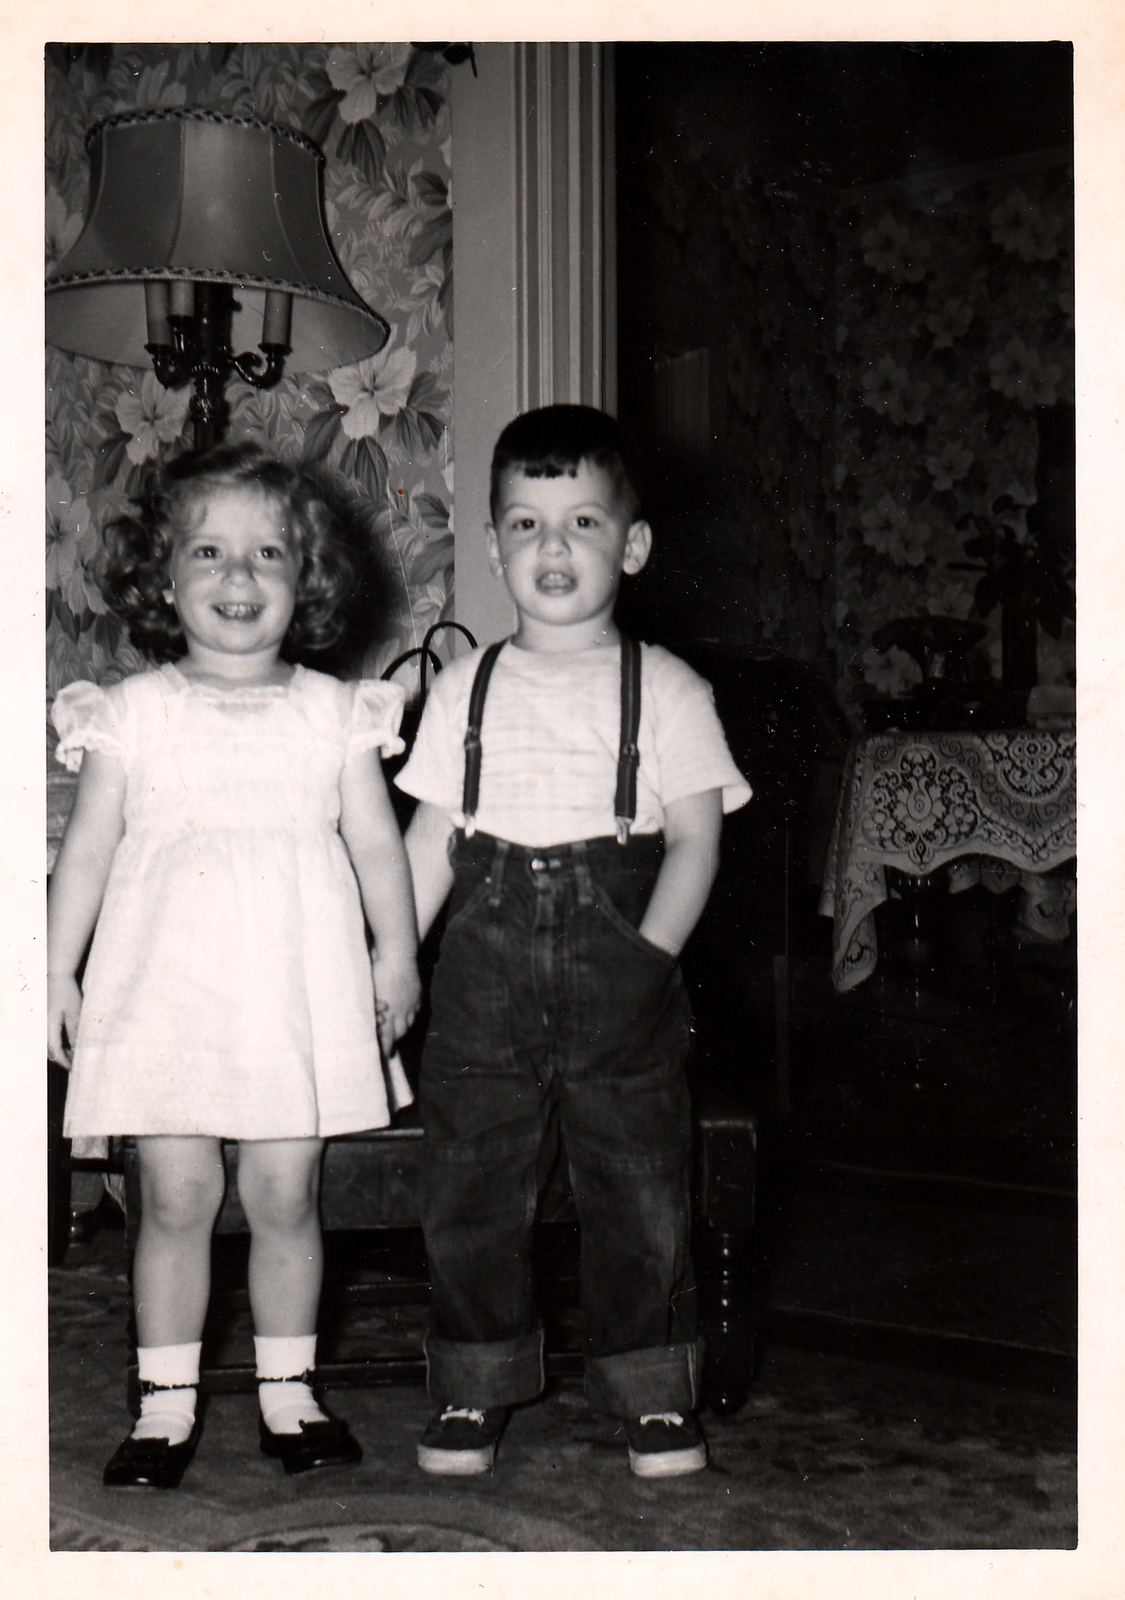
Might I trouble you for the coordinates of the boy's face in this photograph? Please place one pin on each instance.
(561, 545)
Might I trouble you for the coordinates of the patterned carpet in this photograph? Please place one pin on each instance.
(915, 1294)
(830, 1453)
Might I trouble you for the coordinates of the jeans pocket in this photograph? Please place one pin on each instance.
(462, 909)
(621, 924)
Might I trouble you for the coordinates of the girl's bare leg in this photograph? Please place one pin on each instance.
(181, 1191)
(278, 1182)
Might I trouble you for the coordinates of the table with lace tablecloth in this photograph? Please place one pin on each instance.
(919, 801)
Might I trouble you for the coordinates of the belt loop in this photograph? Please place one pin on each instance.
(582, 873)
(496, 877)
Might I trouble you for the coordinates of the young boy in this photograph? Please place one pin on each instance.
(576, 877)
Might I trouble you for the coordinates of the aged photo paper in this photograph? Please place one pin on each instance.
(1097, 1568)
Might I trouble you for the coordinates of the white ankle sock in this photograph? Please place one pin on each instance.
(286, 1400)
(168, 1409)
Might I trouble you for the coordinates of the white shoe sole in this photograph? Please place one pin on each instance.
(668, 1463)
(455, 1463)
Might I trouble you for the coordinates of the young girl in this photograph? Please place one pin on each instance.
(231, 816)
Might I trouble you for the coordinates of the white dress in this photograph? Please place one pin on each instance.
(228, 989)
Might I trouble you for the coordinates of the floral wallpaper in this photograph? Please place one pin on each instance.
(882, 357)
(720, 256)
(885, 354)
(380, 114)
(955, 319)
(779, 411)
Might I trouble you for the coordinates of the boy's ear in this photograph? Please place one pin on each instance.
(638, 544)
(493, 546)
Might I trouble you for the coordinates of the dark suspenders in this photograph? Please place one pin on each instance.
(628, 756)
(471, 792)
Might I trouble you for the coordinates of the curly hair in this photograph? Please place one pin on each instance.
(338, 574)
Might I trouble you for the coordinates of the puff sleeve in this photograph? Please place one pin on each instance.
(375, 717)
(84, 719)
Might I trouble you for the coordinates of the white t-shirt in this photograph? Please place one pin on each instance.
(550, 736)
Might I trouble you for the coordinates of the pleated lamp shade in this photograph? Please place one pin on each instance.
(203, 197)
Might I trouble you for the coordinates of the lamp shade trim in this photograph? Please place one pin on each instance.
(129, 119)
(308, 291)
(201, 196)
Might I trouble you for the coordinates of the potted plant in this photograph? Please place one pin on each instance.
(1028, 572)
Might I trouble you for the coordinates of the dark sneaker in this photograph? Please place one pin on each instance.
(665, 1444)
(461, 1440)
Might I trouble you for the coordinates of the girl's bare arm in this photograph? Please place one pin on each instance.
(77, 886)
(371, 832)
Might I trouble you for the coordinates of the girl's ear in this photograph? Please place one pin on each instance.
(168, 593)
(638, 544)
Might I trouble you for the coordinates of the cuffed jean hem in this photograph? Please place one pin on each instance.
(634, 1383)
(501, 1372)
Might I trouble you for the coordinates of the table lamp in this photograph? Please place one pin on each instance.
(204, 236)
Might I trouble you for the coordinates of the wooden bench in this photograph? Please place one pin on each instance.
(368, 1187)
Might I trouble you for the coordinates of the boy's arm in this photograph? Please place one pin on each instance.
(691, 859)
(370, 830)
(77, 885)
(427, 845)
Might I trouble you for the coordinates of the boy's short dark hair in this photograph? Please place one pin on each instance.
(553, 441)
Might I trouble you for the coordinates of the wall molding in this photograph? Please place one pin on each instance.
(565, 223)
(534, 268)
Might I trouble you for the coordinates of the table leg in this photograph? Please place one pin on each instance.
(917, 945)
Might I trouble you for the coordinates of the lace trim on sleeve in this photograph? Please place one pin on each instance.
(84, 721)
(376, 714)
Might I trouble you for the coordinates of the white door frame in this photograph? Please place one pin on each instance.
(534, 268)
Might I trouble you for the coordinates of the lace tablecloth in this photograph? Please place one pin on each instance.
(918, 801)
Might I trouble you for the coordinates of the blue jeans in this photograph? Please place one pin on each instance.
(548, 1003)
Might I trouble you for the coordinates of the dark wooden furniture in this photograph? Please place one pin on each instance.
(789, 739)
(368, 1187)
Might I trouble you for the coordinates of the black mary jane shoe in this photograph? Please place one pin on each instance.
(319, 1444)
(150, 1463)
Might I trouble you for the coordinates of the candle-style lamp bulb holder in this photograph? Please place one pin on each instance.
(194, 345)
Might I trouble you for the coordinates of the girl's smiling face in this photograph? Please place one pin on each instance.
(233, 580)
